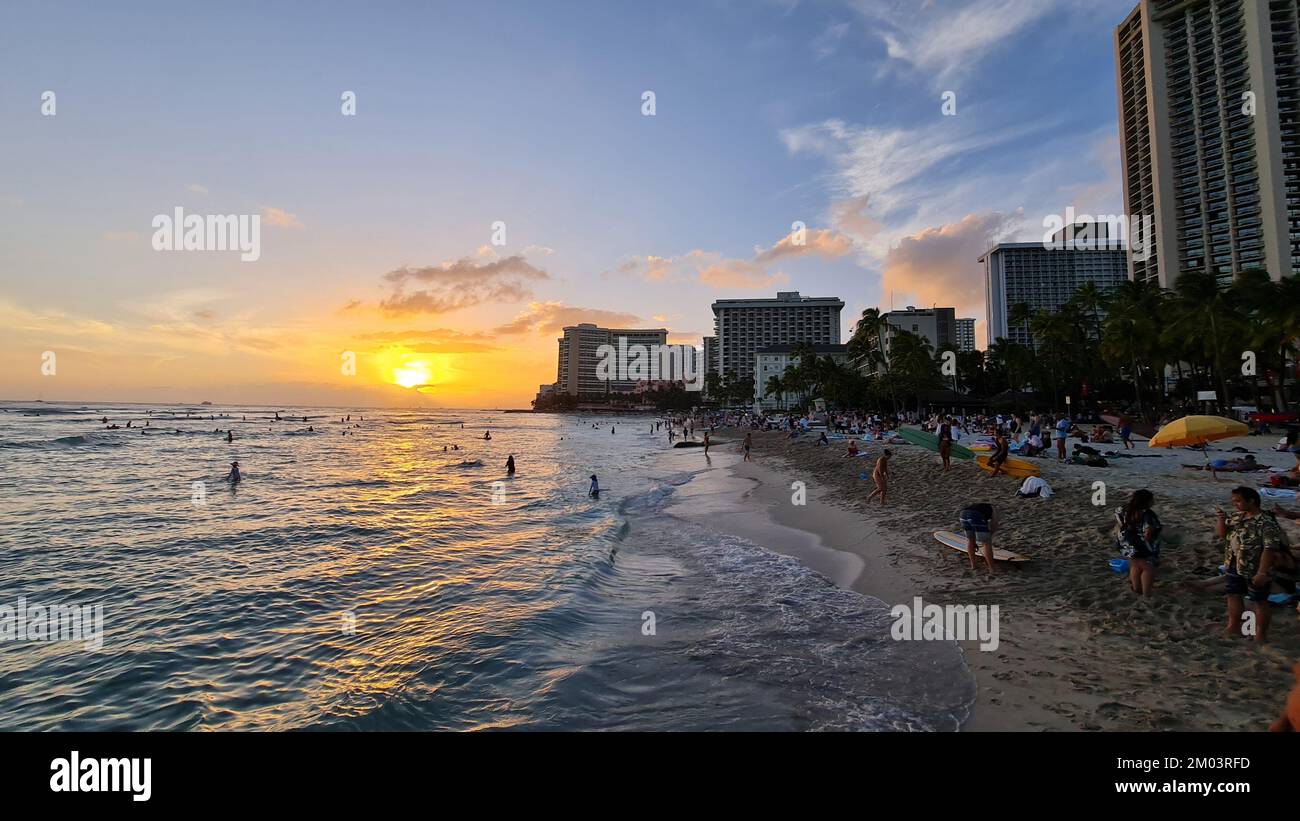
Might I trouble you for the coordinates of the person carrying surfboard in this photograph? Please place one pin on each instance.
(979, 523)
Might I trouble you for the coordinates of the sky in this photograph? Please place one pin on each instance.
(502, 177)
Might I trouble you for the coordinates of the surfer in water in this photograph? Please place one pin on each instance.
(233, 476)
(510, 465)
(595, 488)
(487, 435)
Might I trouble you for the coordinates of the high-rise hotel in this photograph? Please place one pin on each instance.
(1209, 117)
(743, 326)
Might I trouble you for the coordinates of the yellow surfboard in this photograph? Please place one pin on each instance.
(1012, 467)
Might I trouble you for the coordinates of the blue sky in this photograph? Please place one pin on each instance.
(531, 114)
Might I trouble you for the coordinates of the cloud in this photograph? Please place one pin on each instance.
(828, 42)
(460, 284)
(822, 242)
(742, 275)
(279, 218)
(946, 40)
(433, 340)
(538, 250)
(196, 188)
(939, 265)
(552, 317)
(850, 216)
(880, 162)
(716, 271)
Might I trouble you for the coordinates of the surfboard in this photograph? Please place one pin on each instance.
(1012, 467)
(930, 441)
(957, 541)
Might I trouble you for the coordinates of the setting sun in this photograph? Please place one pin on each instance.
(412, 374)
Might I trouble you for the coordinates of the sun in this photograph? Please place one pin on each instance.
(412, 373)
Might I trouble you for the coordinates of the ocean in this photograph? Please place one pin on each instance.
(373, 581)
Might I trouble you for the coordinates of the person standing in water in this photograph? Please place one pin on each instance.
(233, 476)
(230, 436)
(487, 435)
(510, 465)
(595, 487)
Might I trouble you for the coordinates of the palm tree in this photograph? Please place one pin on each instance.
(1130, 335)
(1019, 314)
(775, 387)
(864, 345)
(1203, 321)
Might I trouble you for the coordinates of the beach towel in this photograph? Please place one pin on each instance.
(1035, 486)
(1276, 493)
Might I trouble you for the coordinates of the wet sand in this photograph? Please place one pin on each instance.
(1077, 649)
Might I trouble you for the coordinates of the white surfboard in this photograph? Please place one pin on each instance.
(957, 541)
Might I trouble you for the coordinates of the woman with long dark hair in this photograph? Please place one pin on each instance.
(1137, 527)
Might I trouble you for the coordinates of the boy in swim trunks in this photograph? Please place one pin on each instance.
(979, 523)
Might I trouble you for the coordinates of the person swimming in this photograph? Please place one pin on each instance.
(233, 476)
(510, 465)
(595, 488)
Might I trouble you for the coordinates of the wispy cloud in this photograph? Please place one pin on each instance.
(460, 284)
(946, 40)
(551, 317)
(279, 218)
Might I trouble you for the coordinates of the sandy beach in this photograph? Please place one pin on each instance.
(1078, 651)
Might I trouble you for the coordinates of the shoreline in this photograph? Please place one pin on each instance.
(1094, 657)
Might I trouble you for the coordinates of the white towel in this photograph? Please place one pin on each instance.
(1037, 483)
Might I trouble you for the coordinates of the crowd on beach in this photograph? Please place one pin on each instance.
(1259, 566)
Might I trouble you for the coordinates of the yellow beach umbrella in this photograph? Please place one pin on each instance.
(1196, 430)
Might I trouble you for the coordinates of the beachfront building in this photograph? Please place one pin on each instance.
(965, 340)
(711, 354)
(743, 326)
(579, 354)
(774, 359)
(1044, 276)
(936, 325)
(1209, 112)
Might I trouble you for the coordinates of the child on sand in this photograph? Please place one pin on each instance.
(881, 476)
(853, 448)
(1138, 530)
(979, 523)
